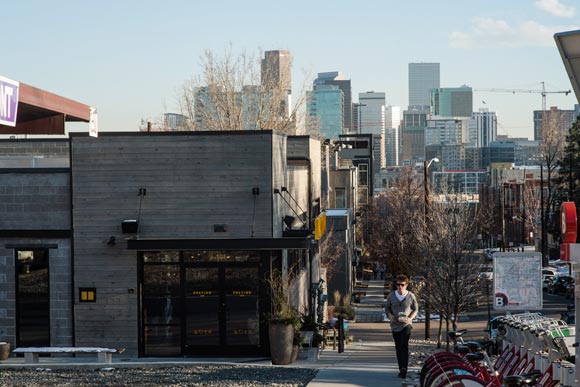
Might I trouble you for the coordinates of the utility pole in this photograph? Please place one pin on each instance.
(426, 165)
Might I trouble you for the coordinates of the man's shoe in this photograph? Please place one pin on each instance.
(403, 373)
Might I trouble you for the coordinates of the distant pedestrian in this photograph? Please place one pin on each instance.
(401, 308)
(382, 270)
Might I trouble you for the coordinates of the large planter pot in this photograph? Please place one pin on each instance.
(4, 350)
(295, 351)
(281, 338)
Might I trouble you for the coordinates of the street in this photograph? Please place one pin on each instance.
(477, 319)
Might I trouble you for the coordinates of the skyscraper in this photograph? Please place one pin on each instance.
(485, 127)
(371, 112)
(372, 120)
(276, 78)
(337, 79)
(556, 118)
(452, 101)
(413, 134)
(392, 130)
(324, 109)
(422, 78)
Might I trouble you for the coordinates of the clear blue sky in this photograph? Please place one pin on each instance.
(128, 58)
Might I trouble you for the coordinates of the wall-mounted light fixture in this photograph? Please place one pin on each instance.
(130, 226)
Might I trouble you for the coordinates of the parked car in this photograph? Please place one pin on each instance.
(559, 283)
(549, 270)
(485, 273)
(546, 279)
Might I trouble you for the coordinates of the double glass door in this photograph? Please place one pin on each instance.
(199, 309)
(222, 308)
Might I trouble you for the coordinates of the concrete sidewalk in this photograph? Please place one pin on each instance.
(370, 361)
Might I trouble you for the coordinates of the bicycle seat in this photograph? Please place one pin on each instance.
(453, 335)
(522, 380)
(474, 346)
(462, 349)
(478, 356)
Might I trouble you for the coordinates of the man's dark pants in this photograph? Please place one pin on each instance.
(402, 346)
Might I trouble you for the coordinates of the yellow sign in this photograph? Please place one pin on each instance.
(198, 332)
(202, 293)
(320, 226)
(242, 292)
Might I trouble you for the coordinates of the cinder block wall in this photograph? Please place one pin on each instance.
(193, 181)
(34, 198)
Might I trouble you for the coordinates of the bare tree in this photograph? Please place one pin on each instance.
(392, 221)
(234, 92)
(446, 242)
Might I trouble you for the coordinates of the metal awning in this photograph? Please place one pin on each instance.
(42, 112)
(157, 244)
(569, 46)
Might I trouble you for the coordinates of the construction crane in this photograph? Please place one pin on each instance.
(543, 92)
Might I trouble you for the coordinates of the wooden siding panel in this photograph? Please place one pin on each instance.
(192, 183)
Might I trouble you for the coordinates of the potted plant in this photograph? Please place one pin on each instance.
(343, 310)
(297, 343)
(4, 350)
(283, 321)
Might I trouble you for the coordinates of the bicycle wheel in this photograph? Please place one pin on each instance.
(462, 381)
(451, 370)
(441, 366)
(434, 361)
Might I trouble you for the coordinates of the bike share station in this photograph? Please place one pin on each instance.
(551, 343)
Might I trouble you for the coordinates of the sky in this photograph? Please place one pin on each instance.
(128, 58)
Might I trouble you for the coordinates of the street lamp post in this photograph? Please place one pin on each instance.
(426, 165)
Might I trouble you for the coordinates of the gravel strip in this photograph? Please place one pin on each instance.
(205, 375)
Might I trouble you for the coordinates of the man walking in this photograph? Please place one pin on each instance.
(401, 308)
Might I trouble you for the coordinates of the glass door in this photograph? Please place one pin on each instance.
(32, 298)
(203, 306)
(242, 325)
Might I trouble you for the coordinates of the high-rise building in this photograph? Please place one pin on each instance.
(413, 134)
(371, 112)
(324, 109)
(561, 119)
(392, 130)
(372, 121)
(422, 78)
(484, 128)
(452, 102)
(276, 78)
(338, 79)
(444, 131)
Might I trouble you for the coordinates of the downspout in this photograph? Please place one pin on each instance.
(72, 249)
(310, 223)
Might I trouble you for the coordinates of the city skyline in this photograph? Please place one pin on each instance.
(129, 59)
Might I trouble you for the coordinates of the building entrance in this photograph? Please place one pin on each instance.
(196, 305)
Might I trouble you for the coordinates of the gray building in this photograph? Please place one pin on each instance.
(422, 78)
(558, 118)
(155, 242)
(452, 101)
